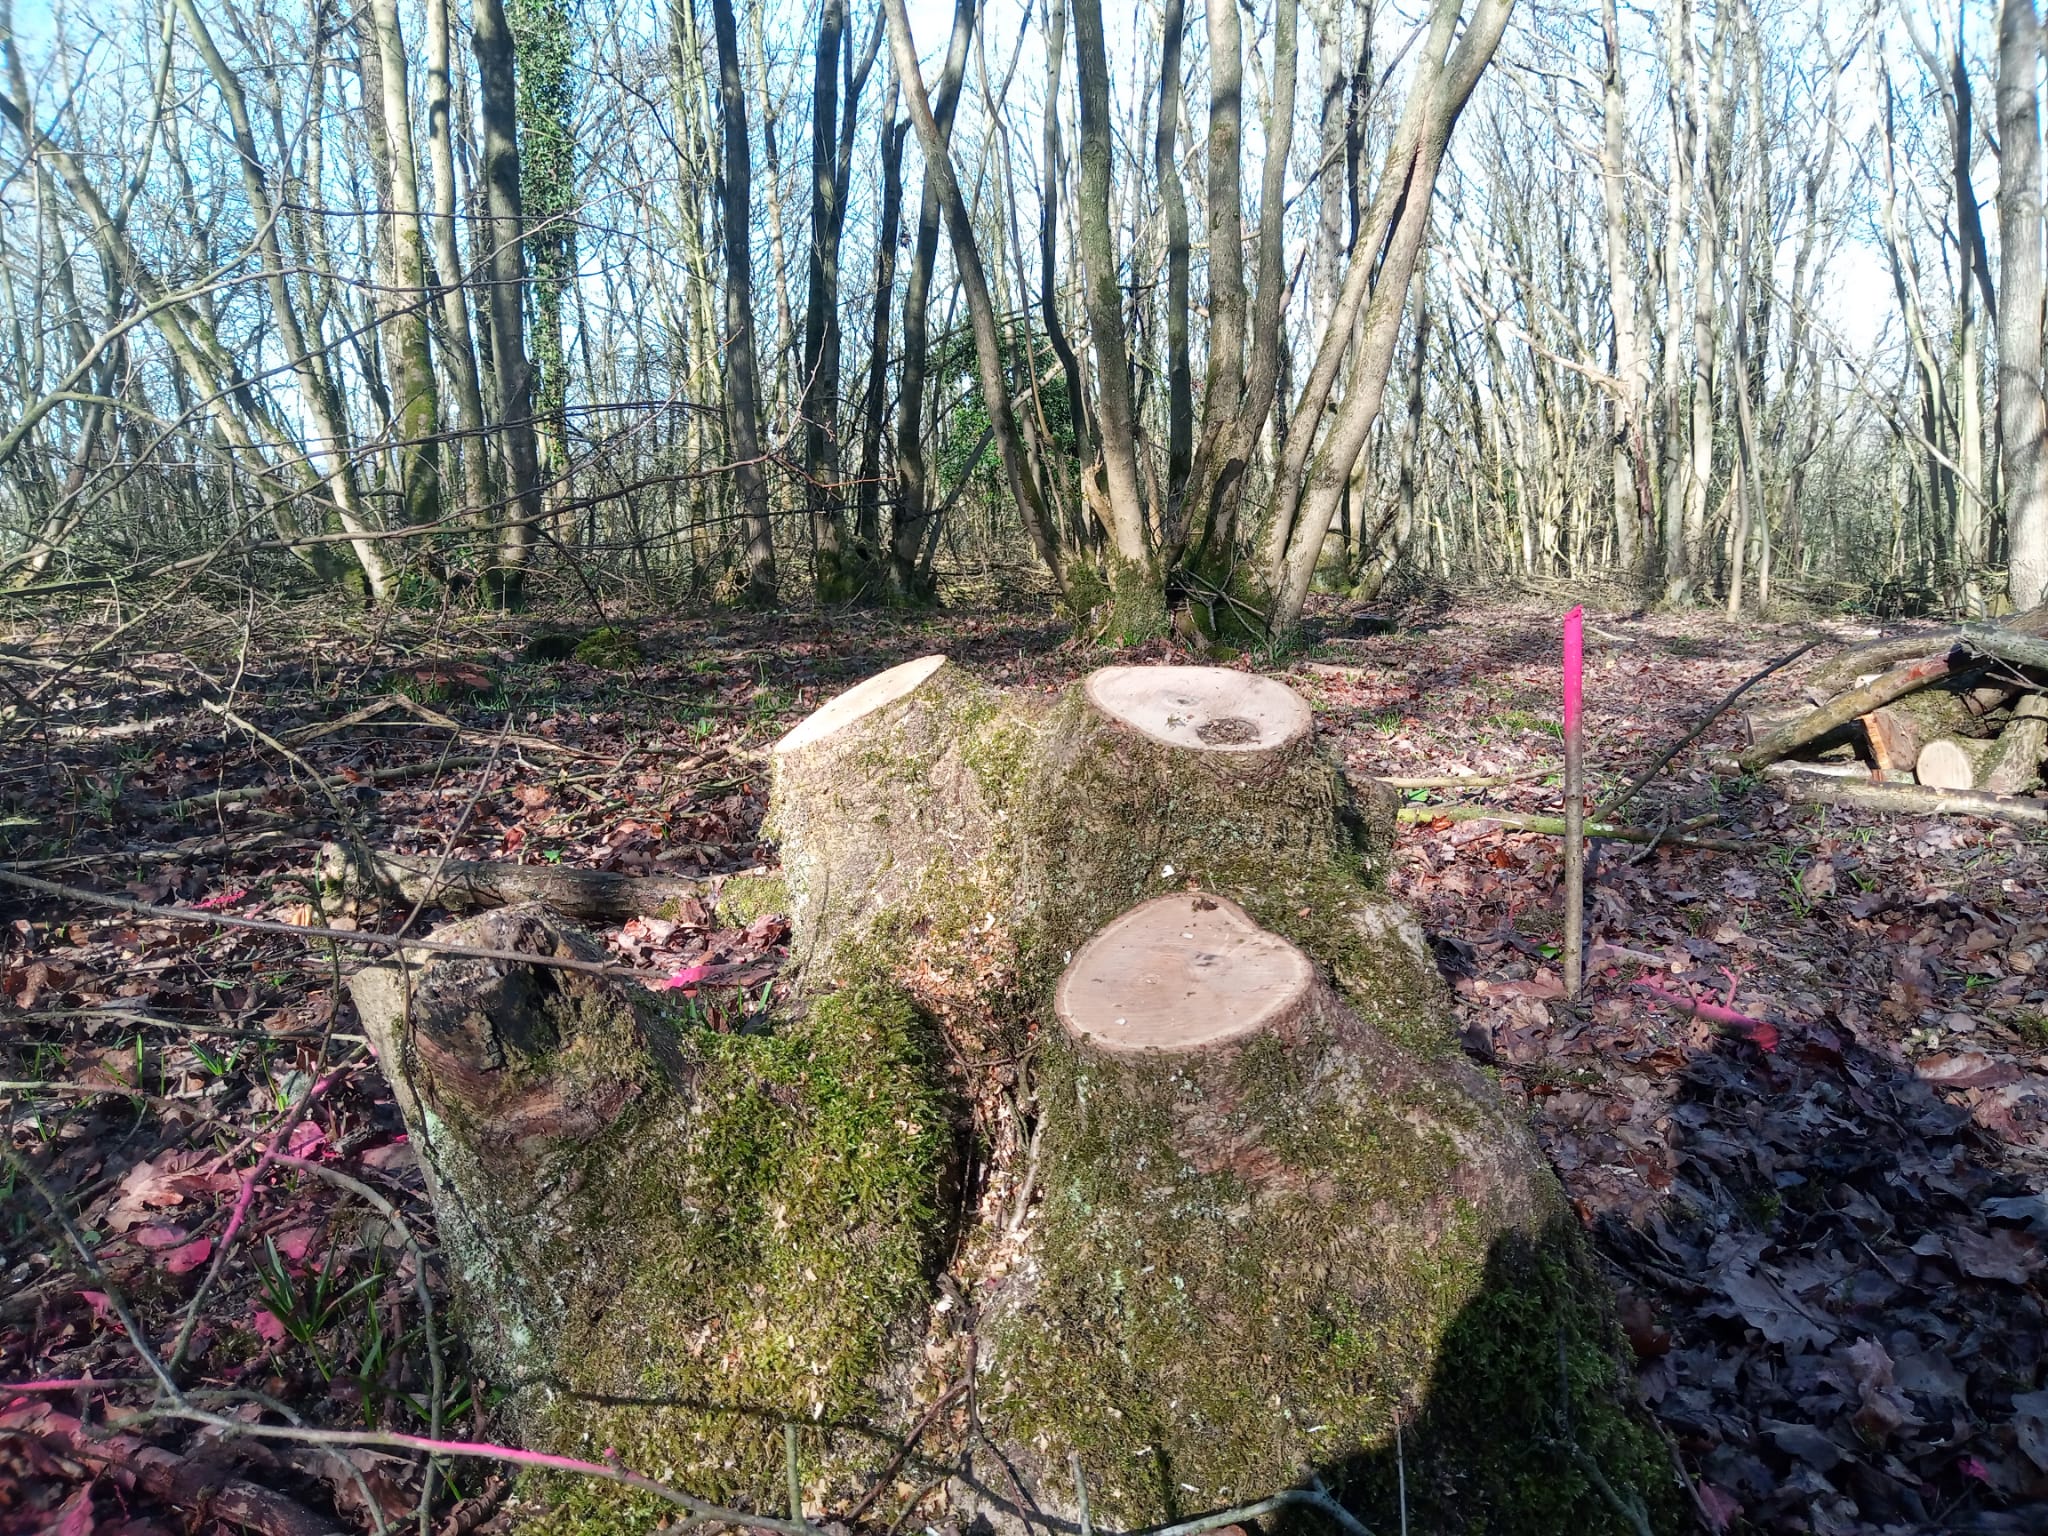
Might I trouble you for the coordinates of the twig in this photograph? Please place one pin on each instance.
(1291, 1498)
(292, 930)
(480, 1450)
(1635, 786)
(852, 1516)
(1553, 826)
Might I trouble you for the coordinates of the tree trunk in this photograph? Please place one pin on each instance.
(742, 371)
(868, 522)
(458, 350)
(491, 37)
(2022, 415)
(912, 512)
(418, 400)
(819, 404)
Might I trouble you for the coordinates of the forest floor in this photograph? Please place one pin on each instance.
(1827, 1226)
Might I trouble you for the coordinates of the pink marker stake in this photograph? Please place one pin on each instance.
(1574, 801)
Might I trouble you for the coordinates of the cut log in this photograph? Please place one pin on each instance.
(2007, 765)
(1956, 762)
(1911, 799)
(1843, 708)
(1255, 1205)
(1897, 731)
(463, 885)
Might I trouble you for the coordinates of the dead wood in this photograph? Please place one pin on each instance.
(463, 885)
(1845, 707)
(1899, 730)
(2022, 649)
(1956, 762)
(1911, 799)
(1553, 826)
(187, 1485)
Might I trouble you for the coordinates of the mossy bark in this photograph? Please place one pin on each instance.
(665, 1240)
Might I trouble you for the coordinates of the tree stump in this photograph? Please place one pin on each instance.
(1278, 1213)
(1270, 1232)
(665, 1240)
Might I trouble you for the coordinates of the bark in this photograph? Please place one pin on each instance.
(462, 885)
(1845, 707)
(2022, 414)
(1112, 481)
(1911, 799)
(491, 37)
(1180, 390)
(742, 373)
(418, 401)
(458, 350)
(820, 396)
(1633, 501)
(868, 523)
(912, 513)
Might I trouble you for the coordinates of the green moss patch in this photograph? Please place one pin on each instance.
(767, 1231)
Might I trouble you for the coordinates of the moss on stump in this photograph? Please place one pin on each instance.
(666, 1240)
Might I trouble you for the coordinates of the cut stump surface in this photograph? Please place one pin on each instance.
(1202, 708)
(1181, 973)
(861, 700)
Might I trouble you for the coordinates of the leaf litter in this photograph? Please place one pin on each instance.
(1801, 1107)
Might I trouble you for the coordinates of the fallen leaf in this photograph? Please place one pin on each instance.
(2000, 1254)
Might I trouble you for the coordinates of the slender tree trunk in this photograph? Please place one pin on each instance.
(458, 350)
(1180, 394)
(1633, 502)
(2022, 418)
(418, 400)
(492, 39)
(913, 490)
(1112, 482)
(742, 387)
(820, 394)
(1025, 487)
(867, 525)
(544, 48)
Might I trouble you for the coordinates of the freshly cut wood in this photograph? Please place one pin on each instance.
(1898, 730)
(1911, 799)
(463, 885)
(860, 701)
(1211, 709)
(1235, 1165)
(2021, 748)
(1843, 708)
(1956, 762)
(1183, 972)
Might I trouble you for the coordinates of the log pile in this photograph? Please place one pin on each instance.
(1953, 723)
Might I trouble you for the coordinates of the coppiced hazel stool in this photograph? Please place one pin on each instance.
(1276, 1210)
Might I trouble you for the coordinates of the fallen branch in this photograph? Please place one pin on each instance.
(2007, 645)
(1845, 707)
(186, 805)
(384, 941)
(462, 885)
(1553, 826)
(1912, 799)
(1467, 781)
